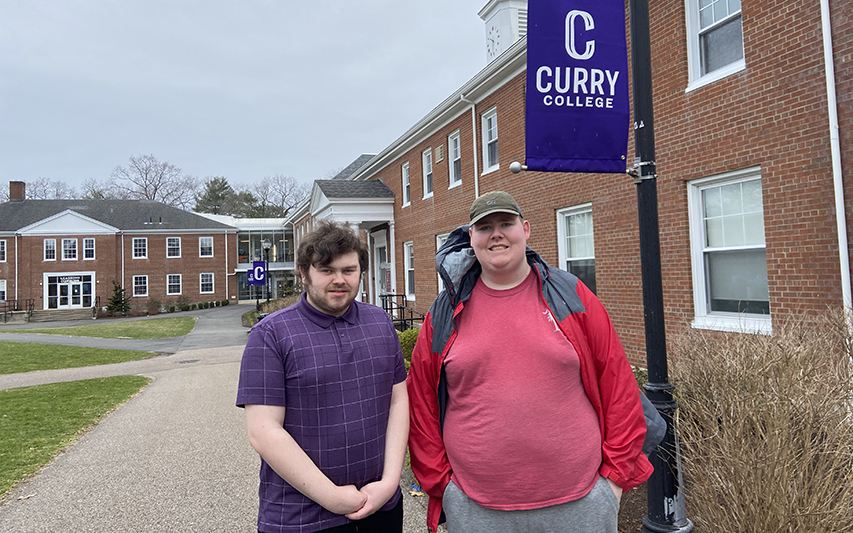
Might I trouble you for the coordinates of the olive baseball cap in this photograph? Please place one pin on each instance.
(493, 202)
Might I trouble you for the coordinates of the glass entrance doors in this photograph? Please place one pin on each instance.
(69, 291)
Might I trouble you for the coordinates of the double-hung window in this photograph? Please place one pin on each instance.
(454, 161)
(88, 249)
(140, 248)
(409, 268)
(140, 285)
(714, 40)
(490, 140)
(50, 249)
(205, 282)
(173, 247)
(576, 243)
(426, 158)
(2, 290)
(205, 246)
(407, 186)
(69, 249)
(2, 250)
(729, 261)
(173, 284)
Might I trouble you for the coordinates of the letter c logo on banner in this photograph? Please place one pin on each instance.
(259, 273)
(589, 24)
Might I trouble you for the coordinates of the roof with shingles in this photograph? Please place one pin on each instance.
(126, 215)
(354, 189)
(351, 169)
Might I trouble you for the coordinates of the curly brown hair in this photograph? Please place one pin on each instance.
(326, 242)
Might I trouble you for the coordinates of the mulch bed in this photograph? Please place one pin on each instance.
(633, 508)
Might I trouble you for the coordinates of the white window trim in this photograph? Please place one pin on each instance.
(75, 249)
(703, 319)
(200, 247)
(201, 283)
(406, 179)
(44, 250)
(3, 289)
(694, 68)
(133, 248)
(493, 112)
(562, 214)
(406, 267)
(179, 248)
(180, 283)
(455, 135)
(3, 246)
(426, 155)
(94, 254)
(133, 287)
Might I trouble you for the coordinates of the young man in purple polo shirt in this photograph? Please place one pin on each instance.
(334, 367)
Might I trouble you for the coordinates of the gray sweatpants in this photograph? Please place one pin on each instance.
(597, 512)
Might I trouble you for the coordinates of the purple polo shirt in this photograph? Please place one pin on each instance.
(334, 377)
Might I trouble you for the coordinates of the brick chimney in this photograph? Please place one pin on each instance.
(17, 191)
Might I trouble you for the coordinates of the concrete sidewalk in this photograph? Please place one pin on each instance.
(173, 458)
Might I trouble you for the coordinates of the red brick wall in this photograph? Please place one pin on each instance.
(772, 115)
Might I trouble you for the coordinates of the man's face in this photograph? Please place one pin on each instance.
(332, 288)
(500, 242)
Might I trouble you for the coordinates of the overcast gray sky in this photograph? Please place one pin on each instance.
(236, 88)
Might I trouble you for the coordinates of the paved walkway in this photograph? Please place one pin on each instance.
(173, 458)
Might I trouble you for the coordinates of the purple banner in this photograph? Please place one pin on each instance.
(577, 107)
(258, 274)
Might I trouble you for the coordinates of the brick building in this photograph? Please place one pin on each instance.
(66, 254)
(753, 136)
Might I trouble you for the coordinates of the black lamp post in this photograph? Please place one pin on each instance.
(267, 245)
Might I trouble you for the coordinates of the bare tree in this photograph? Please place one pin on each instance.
(93, 189)
(46, 189)
(146, 178)
(277, 195)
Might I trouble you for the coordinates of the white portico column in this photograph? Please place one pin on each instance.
(370, 270)
(392, 247)
(354, 227)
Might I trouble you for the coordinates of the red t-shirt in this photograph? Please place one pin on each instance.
(519, 430)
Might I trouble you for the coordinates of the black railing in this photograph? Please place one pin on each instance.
(397, 307)
(7, 307)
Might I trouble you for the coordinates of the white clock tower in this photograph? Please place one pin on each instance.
(506, 22)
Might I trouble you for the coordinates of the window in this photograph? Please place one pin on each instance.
(88, 249)
(140, 285)
(69, 249)
(2, 290)
(407, 190)
(426, 158)
(205, 282)
(409, 259)
(140, 248)
(173, 247)
(490, 140)
(173, 284)
(439, 240)
(2, 250)
(715, 40)
(50, 249)
(727, 246)
(205, 246)
(454, 162)
(576, 243)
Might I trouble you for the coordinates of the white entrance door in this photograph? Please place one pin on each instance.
(382, 267)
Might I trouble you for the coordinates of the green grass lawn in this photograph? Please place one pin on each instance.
(37, 422)
(18, 357)
(156, 328)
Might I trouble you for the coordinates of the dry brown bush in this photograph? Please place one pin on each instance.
(766, 429)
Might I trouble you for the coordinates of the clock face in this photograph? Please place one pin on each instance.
(492, 41)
